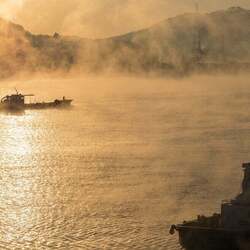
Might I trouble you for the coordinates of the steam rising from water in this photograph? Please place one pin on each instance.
(167, 48)
(132, 157)
(100, 18)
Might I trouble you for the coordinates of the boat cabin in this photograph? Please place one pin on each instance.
(17, 99)
(236, 213)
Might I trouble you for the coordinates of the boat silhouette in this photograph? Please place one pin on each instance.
(16, 102)
(228, 230)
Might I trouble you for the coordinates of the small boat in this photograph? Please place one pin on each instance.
(16, 102)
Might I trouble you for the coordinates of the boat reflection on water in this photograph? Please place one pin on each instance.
(16, 103)
(13, 112)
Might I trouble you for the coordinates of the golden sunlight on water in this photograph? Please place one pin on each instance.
(121, 166)
(21, 179)
(16, 142)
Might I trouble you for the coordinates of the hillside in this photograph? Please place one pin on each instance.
(22, 51)
(218, 40)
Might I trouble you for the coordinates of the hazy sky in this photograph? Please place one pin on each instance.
(100, 18)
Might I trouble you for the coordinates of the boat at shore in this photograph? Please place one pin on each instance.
(16, 102)
(229, 230)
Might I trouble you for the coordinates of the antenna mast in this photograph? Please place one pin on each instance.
(197, 37)
(197, 7)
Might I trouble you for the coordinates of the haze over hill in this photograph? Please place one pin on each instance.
(206, 42)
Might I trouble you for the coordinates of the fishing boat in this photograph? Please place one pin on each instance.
(16, 102)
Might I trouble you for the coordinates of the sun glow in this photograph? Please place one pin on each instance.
(9, 8)
(16, 2)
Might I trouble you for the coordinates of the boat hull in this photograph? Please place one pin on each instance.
(47, 105)
(213, 239)
(42, 105)
(11, 107)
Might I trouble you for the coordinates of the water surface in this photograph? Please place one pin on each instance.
(132, 157)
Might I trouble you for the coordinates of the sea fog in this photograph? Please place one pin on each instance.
(130, 158)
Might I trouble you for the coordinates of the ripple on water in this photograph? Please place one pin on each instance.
(115, 171)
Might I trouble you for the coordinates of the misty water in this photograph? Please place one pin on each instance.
(132, 157)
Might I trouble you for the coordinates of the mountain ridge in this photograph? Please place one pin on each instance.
(177, 45)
